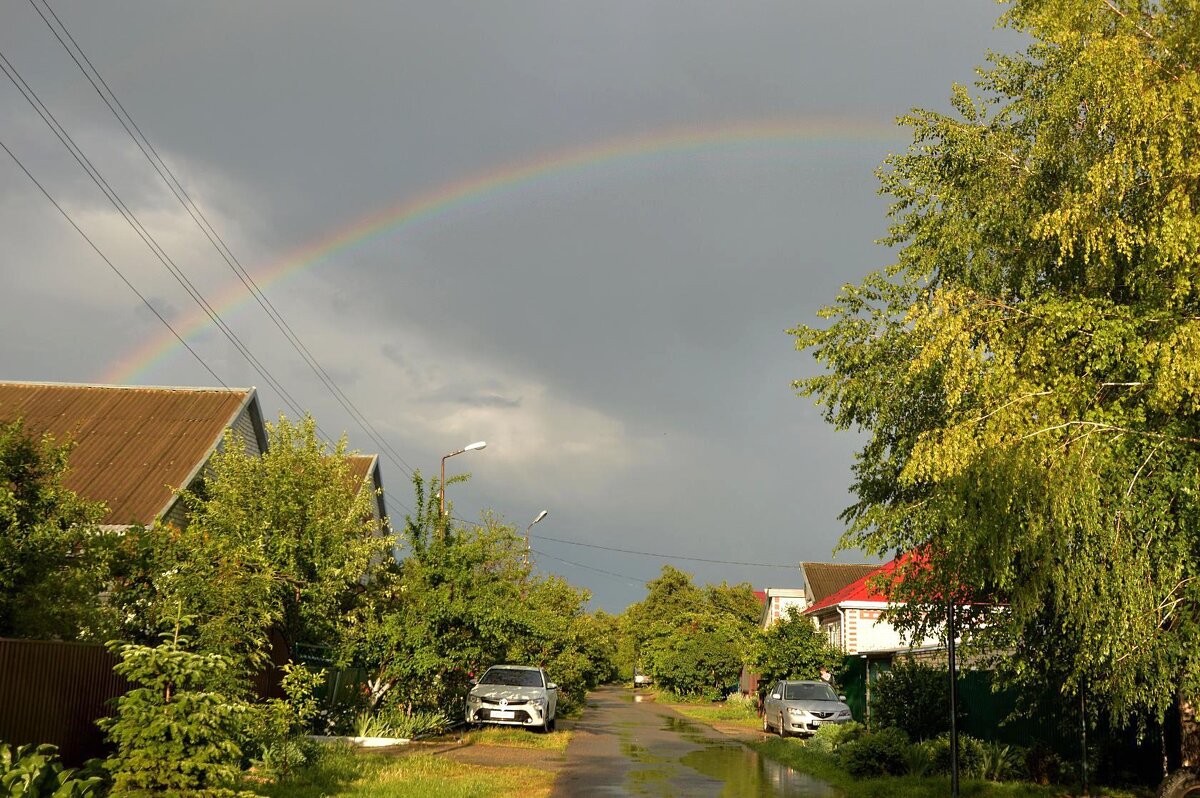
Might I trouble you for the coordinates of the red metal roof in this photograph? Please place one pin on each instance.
(133, 445)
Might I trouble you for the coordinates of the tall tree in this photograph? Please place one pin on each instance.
(54, 557)
(278, 542)
(1028, 370)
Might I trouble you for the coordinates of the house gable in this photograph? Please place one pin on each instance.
(134, 446)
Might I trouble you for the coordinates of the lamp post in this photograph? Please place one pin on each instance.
(540, 516)
(468, 448)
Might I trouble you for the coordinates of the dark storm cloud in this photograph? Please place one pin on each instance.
(615, 333)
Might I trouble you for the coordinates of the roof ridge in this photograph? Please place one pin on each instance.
(104, 386)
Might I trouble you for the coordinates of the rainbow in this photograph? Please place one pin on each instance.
(506, 180)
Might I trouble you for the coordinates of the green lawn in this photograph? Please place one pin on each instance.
(737, 715)
(796, 755)
(519, 738)
(343, 773)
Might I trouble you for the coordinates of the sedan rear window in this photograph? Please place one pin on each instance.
(511, 677)
(808, 692)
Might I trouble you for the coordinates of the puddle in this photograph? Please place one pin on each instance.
(741, 772)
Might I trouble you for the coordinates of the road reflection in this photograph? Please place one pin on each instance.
(741, 771)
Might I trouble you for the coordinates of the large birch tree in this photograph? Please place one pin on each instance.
(1027, 372)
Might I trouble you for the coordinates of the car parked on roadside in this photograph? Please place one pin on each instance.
(641, 679)
(802, 707)
(513, 695)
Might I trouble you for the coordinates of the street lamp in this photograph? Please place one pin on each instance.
(540, 516)
(468, 448)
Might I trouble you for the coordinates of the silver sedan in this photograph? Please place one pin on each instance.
(802, 707)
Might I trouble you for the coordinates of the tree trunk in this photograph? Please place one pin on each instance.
(1185, 782)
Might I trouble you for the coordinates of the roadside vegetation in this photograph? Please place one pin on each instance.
(510, 737)
(340, 772)
(281, 553)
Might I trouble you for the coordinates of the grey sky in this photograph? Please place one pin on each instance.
(615, 333)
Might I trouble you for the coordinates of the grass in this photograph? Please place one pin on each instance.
(796, 755)
(735, 714)
(340, 772)
(519, 738)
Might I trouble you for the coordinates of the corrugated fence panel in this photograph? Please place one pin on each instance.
(54, 693)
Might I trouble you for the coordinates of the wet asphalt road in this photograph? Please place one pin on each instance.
(625, 748)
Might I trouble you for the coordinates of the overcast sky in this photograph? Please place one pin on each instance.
(611, 324)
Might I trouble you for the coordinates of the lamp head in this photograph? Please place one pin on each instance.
(476, 445)
(540, 516)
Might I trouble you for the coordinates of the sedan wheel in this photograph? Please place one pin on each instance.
(766, 726)
(782, 731)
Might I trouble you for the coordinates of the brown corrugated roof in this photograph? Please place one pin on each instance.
(826, 578)
(132, 444)
(360, 466)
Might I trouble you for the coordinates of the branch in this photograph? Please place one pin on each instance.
(1138, 473)
(1010, 402)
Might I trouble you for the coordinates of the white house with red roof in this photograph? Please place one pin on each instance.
(852, 617)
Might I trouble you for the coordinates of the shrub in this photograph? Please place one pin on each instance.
(177, 733)
(970, 754)
(918, 759)
(830, 737)
(35, 770)
(999, 762)
(914, 698)
(415, 724)
(1042, 765)
(279, 724)
(880, 753)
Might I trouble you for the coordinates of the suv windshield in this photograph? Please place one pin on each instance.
(808, 692)
(512, 677)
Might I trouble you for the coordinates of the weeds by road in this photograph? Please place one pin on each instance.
(519, 738)
(339, 772)
(795, 754)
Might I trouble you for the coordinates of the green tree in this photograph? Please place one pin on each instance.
(175, 732)
(913, 697)
(54, 557)
(278, 542)
(690, 640)
(1028, 370)
(792, 648)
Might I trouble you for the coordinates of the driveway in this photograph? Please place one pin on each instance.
(627, 747)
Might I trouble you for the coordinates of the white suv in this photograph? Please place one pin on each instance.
(513, 695)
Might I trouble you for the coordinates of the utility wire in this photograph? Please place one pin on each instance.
(122, 115)
(623, 577)
(664, 556)
(60, 132)
(112, 265)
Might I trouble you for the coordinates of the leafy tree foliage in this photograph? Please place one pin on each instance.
(176, 732)
(283, 541)
(913, 698)
(53, 555)
(462, 599)
(1028, 371)
(692, 641)
(792, 648)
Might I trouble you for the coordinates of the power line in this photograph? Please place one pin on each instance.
(624, 577)
(112, 265)
(115, 200)
(206, 227)
(664, 556)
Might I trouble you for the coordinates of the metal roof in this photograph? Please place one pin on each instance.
(826, 578)
(133, 445)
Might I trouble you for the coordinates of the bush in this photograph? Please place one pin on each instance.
(914, 698)
(880, 753)
(415, 724)
(35, 771)
(970, 754)
(278, 725)
(1042, 765)
(918, 759)
(177, 733)
(1000, 762)
(832, 736)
